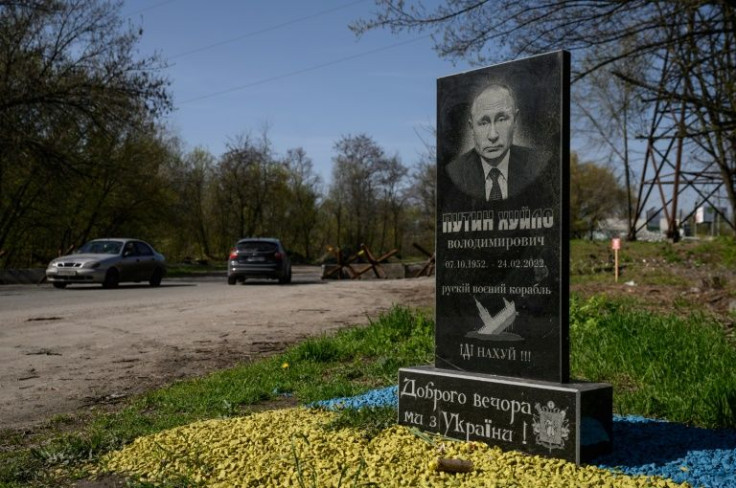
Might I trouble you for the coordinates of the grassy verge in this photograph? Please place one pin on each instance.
(660, 366)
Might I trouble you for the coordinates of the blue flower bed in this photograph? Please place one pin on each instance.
(641, 446)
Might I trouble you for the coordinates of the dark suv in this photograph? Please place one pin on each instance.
(258, 258)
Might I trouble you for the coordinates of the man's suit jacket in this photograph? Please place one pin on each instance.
(466, 172)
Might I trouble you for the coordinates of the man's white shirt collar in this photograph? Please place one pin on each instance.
(503, 180)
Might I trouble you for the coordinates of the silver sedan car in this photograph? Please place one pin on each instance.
(109, 262)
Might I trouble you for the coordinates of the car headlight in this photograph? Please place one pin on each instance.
(93, 265)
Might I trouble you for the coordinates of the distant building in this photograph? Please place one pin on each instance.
(706, 214)
(613, 227)
(654, 220)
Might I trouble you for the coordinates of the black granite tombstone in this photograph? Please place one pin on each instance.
(502, 267)
(501, 294)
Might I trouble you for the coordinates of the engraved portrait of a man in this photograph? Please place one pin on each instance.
(495, 168)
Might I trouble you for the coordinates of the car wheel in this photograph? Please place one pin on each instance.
(286, 279)
(231, 280)
(156, 277)
(112, 278)
(59, 285)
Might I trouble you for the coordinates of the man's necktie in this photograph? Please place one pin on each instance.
(496, 194)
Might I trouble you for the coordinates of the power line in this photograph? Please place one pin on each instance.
(305, 70)
(263, 31)
(150, 7)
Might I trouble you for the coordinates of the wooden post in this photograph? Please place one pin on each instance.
(615, 245)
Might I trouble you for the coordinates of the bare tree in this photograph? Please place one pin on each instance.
(686, 46)
(304, 199)
(393, 196)
(246, 176)
(362, 178)
(612, 114)
(353, 187)
(192, 178)
(422, 195)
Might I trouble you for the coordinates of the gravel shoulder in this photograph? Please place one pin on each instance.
(66, 350)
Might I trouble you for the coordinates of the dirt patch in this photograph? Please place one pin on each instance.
(681, 279)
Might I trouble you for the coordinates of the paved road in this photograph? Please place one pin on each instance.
(23, 299)
(61, 350)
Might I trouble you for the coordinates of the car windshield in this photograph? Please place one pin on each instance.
(100, 247)
(257, 246)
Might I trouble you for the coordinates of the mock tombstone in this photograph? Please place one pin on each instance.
(502, 269)
(502, 295)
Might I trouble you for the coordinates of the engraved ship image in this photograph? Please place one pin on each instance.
(494, 326)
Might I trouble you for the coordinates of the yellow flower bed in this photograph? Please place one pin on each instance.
(292, 448)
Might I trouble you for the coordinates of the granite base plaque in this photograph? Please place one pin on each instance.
(571, 421)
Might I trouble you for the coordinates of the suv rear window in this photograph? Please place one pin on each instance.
(258, 246)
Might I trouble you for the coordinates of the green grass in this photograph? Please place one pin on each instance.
(660, 366)
(721, 251)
